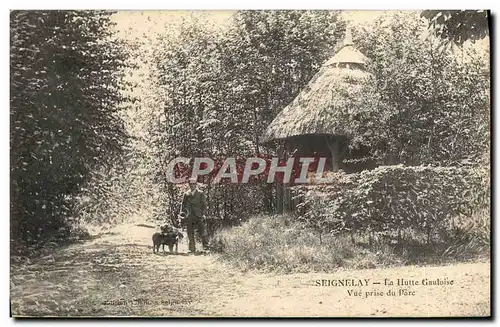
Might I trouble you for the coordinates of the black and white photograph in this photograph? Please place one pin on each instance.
(250, 163)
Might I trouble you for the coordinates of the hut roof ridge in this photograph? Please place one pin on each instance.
(348, 52)
(333, 92)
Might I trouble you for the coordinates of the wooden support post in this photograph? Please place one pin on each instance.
(279, 198)
(286, 199)
(334, 147)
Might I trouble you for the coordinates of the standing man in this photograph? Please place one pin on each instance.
(194, 203)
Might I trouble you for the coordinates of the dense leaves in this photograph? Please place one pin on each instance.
(221, 89)
(66, 77)
(395, 198)
(212, 91)
(458, 26)
(435, 107)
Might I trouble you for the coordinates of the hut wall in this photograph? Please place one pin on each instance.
(319, 145)
(334, 149)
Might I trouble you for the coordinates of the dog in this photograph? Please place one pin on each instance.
(169, 236)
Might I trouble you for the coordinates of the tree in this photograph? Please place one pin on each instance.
(435, 103)
(458, 26)
(221, 90)
(66, 82)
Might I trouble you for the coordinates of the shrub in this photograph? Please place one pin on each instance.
(393, 198)
(280, 243)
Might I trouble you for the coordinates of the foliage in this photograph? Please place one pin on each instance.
(458, 26)
(282, 244)
(113, 195)
(220, 89)
(212, 92)
(66, 77)
(391, 199)
(435, 104)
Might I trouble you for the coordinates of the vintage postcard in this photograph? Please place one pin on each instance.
(273, 163)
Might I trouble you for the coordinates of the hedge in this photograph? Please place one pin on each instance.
(393, 198)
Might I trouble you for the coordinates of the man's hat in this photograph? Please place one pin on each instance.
(192, 181)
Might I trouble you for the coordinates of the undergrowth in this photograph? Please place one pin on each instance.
(279, 243)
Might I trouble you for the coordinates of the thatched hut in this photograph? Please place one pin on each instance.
(319, 120)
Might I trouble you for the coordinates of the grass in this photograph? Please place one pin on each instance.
(277, 243)
(82, 279)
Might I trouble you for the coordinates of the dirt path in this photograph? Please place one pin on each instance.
(118, 275)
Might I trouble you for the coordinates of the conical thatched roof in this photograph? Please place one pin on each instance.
(347, 53)
(334, 93)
